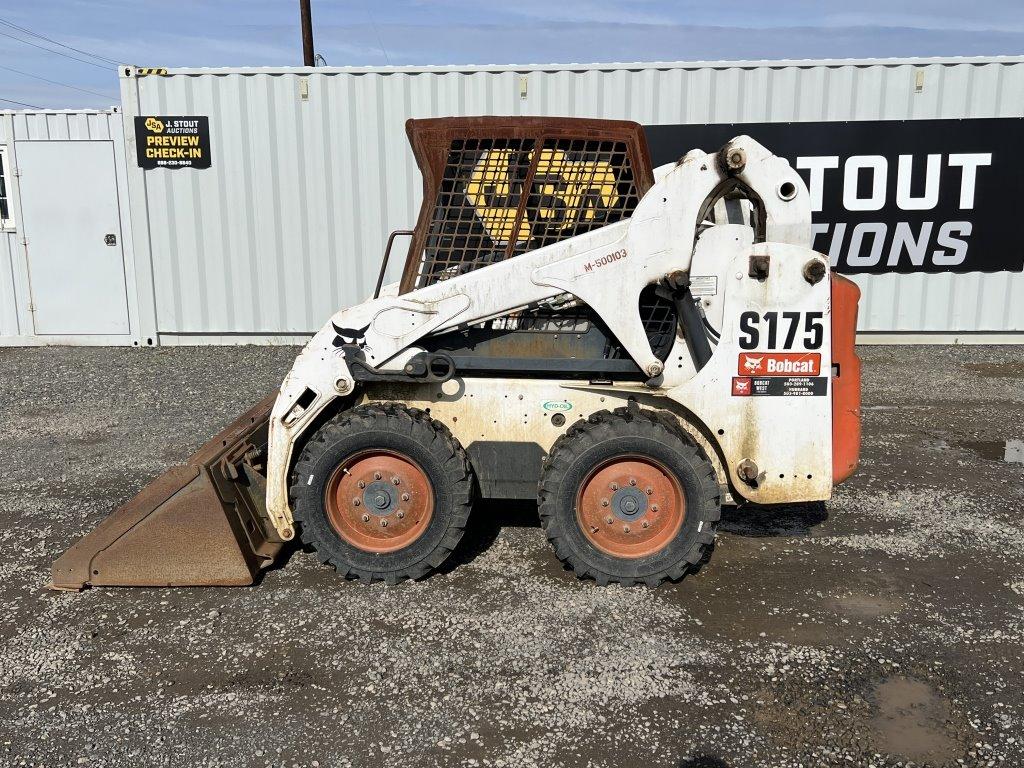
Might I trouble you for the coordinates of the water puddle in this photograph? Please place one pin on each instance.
(911, 722)
(997, 370)
(866, 604)
(1010, 451)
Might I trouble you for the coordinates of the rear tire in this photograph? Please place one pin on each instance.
(382, 492)
(628, 496)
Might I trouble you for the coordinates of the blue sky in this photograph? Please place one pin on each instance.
(265, 32)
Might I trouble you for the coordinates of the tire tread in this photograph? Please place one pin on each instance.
(605, 425)
(395, 417)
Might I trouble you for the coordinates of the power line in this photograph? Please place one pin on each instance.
(373, 26)
(59, 53)
(21, 103)
(56, 82)
(55, 42)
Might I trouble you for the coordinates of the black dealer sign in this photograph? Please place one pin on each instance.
(894, 196)
(168, 141)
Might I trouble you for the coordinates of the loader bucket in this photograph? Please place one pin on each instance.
(203, 523)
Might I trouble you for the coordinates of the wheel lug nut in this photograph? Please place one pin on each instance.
(608, 519)
(632, 481)
(405, 497)
(384, 523)
(615, 486)
(604, 502)
(645, 524)
(376, 475)
(356, 502)
(625, 529)
(400, 514)
(654, 507)
(649, 491)
(366, 518)
(396, 481)
(361, 484)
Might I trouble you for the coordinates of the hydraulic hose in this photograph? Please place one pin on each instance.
(693, 328)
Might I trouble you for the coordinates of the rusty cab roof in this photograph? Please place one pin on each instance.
(488, 195)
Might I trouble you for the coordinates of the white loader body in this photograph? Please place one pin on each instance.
(761, 406)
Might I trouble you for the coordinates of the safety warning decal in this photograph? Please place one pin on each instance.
(779, 364)
(703, 285)
(779, 386)
(163, 141)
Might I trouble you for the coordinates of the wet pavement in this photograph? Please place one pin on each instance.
(883, 628)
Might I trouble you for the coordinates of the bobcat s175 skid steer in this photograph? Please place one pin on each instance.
(632, 347)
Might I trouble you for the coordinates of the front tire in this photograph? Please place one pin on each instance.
(382, 493)
(628, 496)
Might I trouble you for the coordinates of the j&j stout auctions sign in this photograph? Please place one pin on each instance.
(167, 141)
(894, 196)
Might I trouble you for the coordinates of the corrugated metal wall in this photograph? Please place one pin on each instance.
(290, 222)
(17, 127)
(69, 125)
(9, 320)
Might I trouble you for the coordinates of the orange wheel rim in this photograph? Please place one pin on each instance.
(630, 507)
(379, 501)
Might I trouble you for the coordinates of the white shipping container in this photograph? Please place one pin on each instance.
(311, 170)
(67, 265)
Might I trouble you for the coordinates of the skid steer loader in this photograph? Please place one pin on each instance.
(632, 347)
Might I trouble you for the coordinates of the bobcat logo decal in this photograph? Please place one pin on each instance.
(753, 364)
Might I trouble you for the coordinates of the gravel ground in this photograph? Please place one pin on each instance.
(884, 628)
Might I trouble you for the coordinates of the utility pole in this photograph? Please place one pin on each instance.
(307, 34)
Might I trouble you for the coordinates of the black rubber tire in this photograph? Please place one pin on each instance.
(607, 434)
(411, 432)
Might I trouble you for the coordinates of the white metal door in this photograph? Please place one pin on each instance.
(72, 226)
